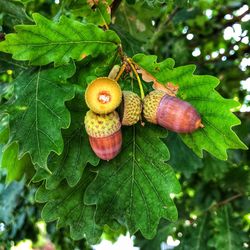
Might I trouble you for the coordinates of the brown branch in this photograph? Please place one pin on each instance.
(217, 205)
(114, 6)
(223, 202)
(171, 16)
(216, 30)
(226, 201)
(229, 23)
(243, 51)
(162, 28)
(237, 18)
(2, 36)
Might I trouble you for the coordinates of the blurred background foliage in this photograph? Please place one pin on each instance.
(215, 201)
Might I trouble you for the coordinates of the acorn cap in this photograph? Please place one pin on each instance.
(103, 95)
(131, 108)
(150, 105)
(101, 125)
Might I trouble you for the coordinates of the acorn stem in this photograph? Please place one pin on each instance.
(123, 67)
(201, 125)
(114, 72)
(130, 62)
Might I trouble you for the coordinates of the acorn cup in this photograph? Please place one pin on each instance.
(103, 95)
(171, 113)
(104, 132)
(131, 108)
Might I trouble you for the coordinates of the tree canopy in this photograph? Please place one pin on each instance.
(191, 187)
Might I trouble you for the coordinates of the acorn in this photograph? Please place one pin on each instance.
(131, 108)
(104, 132)
(171, 113)
(103, 95)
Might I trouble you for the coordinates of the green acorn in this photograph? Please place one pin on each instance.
(131, 108)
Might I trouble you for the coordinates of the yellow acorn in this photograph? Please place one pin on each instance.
(103, 95)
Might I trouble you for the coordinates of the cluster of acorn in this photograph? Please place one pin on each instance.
(103, 123)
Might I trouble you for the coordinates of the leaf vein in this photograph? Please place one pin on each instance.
(146, 204)
(49, 109)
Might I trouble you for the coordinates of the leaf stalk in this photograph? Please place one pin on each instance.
(130, 62)
(123, 67)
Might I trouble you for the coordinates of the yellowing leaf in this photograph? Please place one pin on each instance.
(169, 88)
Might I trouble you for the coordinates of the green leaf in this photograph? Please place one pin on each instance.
(182, 158)
(7, 63)
(238, 179)
(4, 129)
(195, 235)
(77, 151)
(97, 12)
(58, 42)
(131, 1)
(226, 234)
(137, 184)
(95, 67)
(16, 168)
(68, 208)
(114, 233)
(40, 175)
(185, 15)
(38, 112)
(15, 10)
(217, 136)
(214, 169)
(130, 44)
(137, 20)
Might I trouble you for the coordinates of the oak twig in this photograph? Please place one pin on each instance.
(115, 6)
(162, 26)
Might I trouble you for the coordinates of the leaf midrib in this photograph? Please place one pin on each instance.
(198, 243)
(228, 229)
(132, 176)
(60, 43)
(133, 179)
(36, 111)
